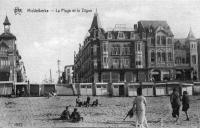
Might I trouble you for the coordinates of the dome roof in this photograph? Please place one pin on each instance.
(7, 36)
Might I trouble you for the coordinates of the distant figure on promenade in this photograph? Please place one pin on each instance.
(140, 104)
(185, 103)
(75, 116)
(175, 103)
(65, 114)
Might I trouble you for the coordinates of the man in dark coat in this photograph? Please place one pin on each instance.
(175, 103)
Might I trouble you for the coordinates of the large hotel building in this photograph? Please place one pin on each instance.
(145, 52)
(11, 65)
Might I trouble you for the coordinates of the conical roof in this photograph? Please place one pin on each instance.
(95, 22)
(6, 22)
(190, 34)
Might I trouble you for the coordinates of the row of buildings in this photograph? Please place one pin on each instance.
(146, 52)
(11, 65)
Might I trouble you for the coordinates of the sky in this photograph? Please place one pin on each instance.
(43, 38)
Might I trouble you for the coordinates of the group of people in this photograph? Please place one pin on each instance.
(175, 100)
(86, 103)
(73, 117)
(139, 107)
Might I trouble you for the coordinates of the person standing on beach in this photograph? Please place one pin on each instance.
(175, 103)
(140, 104)
(185, 103)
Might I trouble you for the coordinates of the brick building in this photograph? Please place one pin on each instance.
(11, 66)
(145, 52)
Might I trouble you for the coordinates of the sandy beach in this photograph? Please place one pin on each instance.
(44, 112)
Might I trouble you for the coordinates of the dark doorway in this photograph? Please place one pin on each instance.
(21, 90)
(121, 90)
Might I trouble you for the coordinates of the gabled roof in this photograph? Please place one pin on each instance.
(154, 24)
(95, 22)
(6, 22)
(190, 34)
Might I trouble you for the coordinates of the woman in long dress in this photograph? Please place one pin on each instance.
(140, 104)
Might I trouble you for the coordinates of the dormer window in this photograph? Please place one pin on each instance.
(121, 35)
(132, 35)
(109, 35)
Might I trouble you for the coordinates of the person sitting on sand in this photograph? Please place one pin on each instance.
(75, 116)
(95, 103)
(140, 105)
(65, 114)
(185, 103)
(88, 101)
(78, 102)
(175, 103)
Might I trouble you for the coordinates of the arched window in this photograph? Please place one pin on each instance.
(159, 56)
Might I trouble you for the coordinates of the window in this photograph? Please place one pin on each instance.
(159, 56)
(126, 50)
(115, 50)
(163, 56)
(138, 47)
(109, 35)
(183, 60)
(194, 59)
(105, 60)
(163, 38)
(158, 40)
(89, 86)
(169, 40)
(68, 71)
(152, 57)
(95, 49)
(153, 41)
(120, 35)
(132, 35)
(169, 56)
(95, 63)
(98, 86)
(104, 47)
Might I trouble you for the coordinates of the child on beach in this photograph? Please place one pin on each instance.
(185, 103)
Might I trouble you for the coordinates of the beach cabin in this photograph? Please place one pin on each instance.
(147, 88)
(132, 88)
(86, 89)
(6, 88)
(118, 89)
(47, 88)
(187, 87)
(21, 89)
(34, 89)
(160, 89)
(171, 86)
(64, 90)
(101, 89)
(196, 88)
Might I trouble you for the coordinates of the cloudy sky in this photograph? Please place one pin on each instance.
(43, 38)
